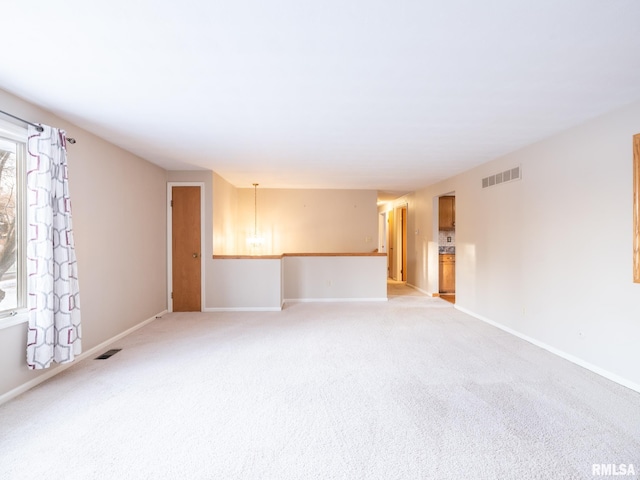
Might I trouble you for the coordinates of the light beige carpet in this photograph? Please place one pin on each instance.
(406, 389)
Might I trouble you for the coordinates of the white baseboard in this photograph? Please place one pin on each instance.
(54, 370)
(291, 300)
(573, 359)
(431, 294)
(242, 309)
(333, 300)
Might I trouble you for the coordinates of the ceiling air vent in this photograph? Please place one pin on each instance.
(503, 177)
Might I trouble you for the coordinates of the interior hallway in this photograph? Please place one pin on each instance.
(396, 288)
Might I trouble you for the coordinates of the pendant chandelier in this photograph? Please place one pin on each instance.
(255, 240)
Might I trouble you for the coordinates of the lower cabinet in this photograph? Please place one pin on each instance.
(447, 273)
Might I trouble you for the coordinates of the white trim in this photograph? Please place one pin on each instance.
(383, 235)
(170, 185)
(11, 394)
(335, 300)
(431, 294)
(13, 131)
(18, 134)
(242, 309)
(567, 356)
(13, 320)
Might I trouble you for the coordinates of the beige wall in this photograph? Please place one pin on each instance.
(245, 284)
(339, 278)
(548, 257)
(225, 214)
(120, 232)
(308, 221)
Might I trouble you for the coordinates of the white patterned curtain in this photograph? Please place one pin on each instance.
(54, 304)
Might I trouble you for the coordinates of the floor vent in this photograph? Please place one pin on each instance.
(108, 354)
(503, 177)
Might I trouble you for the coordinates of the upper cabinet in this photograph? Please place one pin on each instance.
(447, 213)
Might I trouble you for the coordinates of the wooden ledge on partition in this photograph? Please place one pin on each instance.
(247, 257)
(367, 254)
(267, 257)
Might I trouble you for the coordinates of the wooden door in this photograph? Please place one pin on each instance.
(186, 262)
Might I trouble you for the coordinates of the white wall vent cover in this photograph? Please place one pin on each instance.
(510, 175)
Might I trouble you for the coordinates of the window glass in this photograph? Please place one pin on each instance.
(12, 278)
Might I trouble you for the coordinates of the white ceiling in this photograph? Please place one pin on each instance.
(386, 95)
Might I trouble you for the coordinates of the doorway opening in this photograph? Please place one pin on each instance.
(396, 221)
(403, 242)
(447, 247)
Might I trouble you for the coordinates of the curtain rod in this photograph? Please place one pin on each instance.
(37, 127)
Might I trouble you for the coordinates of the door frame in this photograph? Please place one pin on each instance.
(399, 232)
(170, 186)
(404, 241)
(436, 232)
(382, 232)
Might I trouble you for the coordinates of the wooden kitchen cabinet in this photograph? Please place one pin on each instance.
(447, 213)
(447, 273)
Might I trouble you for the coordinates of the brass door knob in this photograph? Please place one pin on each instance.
(195, 255)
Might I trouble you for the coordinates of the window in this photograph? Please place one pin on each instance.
(12, 222)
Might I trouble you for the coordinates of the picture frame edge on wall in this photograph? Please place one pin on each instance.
(636, 208)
